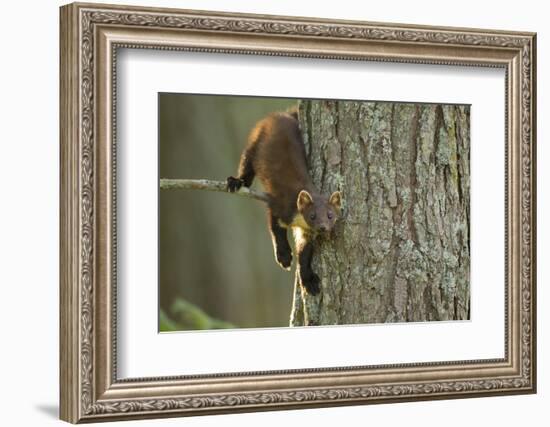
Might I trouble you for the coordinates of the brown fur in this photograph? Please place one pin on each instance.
(279, 162)
(275, 153)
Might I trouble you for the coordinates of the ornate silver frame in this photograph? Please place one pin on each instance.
(90, 36)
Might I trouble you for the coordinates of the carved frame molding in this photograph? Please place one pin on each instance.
(90, 36)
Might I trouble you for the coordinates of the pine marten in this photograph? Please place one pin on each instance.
(275, 153)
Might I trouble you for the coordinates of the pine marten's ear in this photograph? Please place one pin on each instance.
(336, 200)
(304, 200)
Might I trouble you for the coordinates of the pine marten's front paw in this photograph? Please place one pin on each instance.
(234, 184)
(311, 283)
(284, 259)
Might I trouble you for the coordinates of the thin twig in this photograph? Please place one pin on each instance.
(206, 184)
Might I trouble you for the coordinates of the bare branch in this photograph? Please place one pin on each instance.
(206, 184)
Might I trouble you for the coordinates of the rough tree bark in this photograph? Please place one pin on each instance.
(401, 251)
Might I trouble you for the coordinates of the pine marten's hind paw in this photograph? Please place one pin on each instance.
(284, 259)
(234, 184)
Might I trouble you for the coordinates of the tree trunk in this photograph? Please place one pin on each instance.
(401, 251)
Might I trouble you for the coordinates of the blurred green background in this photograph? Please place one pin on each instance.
(216, 263)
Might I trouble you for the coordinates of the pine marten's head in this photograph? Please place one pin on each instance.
(319, 212)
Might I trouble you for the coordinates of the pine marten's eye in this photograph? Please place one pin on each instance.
(329, 214)
(312, 216)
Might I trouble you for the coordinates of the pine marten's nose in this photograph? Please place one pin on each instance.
(323, 228)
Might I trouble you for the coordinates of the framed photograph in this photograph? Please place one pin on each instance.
(267, 212)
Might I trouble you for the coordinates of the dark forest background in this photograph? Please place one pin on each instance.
(215, 255)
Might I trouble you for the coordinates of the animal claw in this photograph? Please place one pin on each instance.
(311, 284)
(234, 184)
(284, 260)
